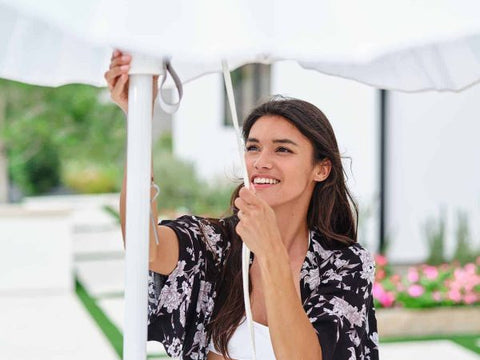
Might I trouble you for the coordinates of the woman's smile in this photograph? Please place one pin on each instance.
(263, 181)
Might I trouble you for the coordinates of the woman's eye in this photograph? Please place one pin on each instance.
(284, 149)
(252, 148)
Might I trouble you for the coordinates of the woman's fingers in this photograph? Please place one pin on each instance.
(248, 196)
(120, 64)
(119, 90)
(120, 60)
(117, 78)
(241, 204)
(112, 75)
(115, 53)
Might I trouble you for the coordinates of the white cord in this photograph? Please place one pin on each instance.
(246, 181)
(153, 221)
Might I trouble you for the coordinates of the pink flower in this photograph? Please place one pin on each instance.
(381, 260)
(444, 267)
(430, 272)
(380, 274)
(377, 290)
(470, 268)
(471, 282)
(469, 298)
(459, 274)
(412, 275)
(455, 295)
(415, 290)
(436, 296)
(395, 278)
(387, 299)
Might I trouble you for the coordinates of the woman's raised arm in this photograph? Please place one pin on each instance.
(162, 257)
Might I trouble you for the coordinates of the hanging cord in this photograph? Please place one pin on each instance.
(167, 106)
(246, 181)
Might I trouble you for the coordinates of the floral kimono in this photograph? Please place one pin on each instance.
(335, 283)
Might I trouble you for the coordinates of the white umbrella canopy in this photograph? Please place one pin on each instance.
(409, 46)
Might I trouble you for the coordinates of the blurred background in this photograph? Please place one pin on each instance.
(411, 162)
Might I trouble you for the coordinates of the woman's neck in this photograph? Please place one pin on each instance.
(292, 223)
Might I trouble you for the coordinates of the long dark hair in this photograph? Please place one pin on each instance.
(332, 210)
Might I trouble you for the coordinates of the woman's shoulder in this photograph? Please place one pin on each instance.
(199, 232)
(343, 255)
(194, 223)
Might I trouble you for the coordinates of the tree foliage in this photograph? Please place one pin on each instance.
(45, 129)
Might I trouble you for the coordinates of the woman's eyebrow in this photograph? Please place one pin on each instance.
(275, 141)
(284, 141)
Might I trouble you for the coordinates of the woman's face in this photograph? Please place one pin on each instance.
(280, 165)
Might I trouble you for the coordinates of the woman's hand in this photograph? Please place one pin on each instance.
(258, 226)
(117, 79)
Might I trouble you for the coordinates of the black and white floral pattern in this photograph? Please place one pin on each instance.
(335, 283)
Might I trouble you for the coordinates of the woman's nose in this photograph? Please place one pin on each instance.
(262, 161)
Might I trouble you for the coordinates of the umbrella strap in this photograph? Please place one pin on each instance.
(167, 106)
(152, 219)
(246, 181)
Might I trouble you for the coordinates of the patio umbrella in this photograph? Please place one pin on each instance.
(409, 46)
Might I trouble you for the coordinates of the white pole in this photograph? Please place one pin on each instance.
(139, 147)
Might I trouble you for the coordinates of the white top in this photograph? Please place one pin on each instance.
(240, 346)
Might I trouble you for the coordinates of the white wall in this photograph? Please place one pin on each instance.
(198, 133)
(434, 164)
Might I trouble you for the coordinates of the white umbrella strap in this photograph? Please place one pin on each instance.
(152, 219)
(246, 181)
(168, 106)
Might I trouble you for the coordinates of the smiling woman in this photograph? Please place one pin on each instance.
(311, 282)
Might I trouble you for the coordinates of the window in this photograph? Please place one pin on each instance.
(251, 85)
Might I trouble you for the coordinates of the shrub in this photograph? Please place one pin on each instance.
(35, 171)
(435, 235)
(91, 178)
(463, 250)
(182, 190)
(427, 286)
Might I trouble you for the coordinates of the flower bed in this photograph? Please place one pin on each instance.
(427, 299)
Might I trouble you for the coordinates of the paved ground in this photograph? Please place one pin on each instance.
(49, 327)
(56, 326)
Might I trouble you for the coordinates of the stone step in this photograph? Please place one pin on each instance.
(100, 277)
(438, 350)
(50, 327)
(105, 241)
(114, 308)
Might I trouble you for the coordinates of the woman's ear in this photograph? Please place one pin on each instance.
(322, 170)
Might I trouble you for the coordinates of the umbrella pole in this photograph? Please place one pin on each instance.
(139, 152)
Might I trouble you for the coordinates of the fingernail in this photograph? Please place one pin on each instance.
(124, 67)
(125, 57)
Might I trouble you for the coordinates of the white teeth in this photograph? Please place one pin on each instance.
(260, 180)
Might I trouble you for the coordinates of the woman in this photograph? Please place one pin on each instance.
(311, 282)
